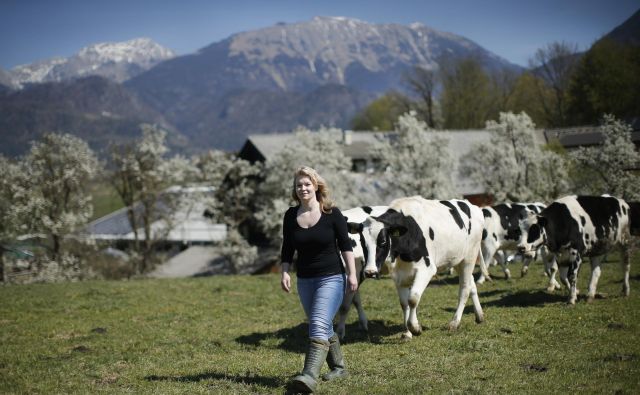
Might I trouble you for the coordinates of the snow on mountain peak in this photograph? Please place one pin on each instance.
(140, 50)
(117, 61)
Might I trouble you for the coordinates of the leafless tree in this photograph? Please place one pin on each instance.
(555, 65)
(423, 82)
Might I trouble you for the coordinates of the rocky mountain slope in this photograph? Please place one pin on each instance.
(118, 61)
(290, 61)
(96, 109)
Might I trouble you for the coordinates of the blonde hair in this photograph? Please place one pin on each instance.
(322, 189)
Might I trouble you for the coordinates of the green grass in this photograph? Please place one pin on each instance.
(241, 334)
(104, 198)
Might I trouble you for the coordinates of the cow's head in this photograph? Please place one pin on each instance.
(532, 234)
(372, 236)
(404, 237)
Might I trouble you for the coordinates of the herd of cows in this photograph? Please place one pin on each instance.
(416, 238)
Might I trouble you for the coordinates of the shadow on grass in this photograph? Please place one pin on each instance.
(526, 299)
(248, 379)
(295, 339)
(486, 294)
(378, 331)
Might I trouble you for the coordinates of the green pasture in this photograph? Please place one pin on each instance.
(242, 334)
(104, 198)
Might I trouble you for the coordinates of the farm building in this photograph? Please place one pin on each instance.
(185, 223)
(585, 136)
(359, 147)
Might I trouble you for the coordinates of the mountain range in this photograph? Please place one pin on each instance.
(314, 73)
(115, 61)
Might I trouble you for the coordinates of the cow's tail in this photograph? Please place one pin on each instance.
(483, 266)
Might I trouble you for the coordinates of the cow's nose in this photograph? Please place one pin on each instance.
(371, 273)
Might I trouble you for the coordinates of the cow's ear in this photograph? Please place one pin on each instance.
(397, 230)
(542, 221)
(354, 227)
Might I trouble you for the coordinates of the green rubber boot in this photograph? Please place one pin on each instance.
(335, 360)
(307, 381)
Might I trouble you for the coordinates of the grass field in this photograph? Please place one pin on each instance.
(241, 334)
(104, 198)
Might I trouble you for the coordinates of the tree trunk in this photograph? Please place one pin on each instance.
(1, 264)
(56, 248)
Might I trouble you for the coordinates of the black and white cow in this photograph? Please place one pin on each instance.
(364, 251)
(573, 227)
(502, 234)
(634, 218)
(424, 236)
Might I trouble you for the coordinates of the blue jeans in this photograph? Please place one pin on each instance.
(321, 298)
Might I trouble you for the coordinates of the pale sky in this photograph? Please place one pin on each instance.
(32, 30)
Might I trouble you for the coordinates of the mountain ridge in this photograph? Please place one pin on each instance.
(118, 61)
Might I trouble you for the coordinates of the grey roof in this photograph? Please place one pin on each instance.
(461, 142)
(270, 144)
(581, 136)
(188, 222)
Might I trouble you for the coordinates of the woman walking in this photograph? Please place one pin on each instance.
(317, 231)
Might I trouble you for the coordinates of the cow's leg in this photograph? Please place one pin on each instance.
(525, 266)
(363, 323)
(595, 276)
(574, 267)
(466, 278)
(488, 252)
(625, 261)
(476, 300)
(501, 257)
(403, 295)
(421, 280)
(550, 269)
(343, 312)
(564, 274)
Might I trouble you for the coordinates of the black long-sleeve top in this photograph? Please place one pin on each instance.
(318, 245)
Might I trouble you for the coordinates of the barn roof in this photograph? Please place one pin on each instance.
(262, 147)
(583, 136)
(189, 223)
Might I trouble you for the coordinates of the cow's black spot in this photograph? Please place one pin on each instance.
(534, 233)
(624, 210)
(494, 237)
(465, 208)
(383, 245)
(431, 234)
(367, 209)
(486, 213)
(510, 216)
(353, 243)
(560, 228)
(407, 240)
(454, 213)
(484, 234)
(583, 220)
(532, 207)
(602, 211)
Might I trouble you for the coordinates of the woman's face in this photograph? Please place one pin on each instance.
(305, 190)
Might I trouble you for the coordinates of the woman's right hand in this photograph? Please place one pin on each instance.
(285, 282)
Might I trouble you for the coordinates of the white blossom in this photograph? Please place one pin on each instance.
(612, 162)
(513, 166)
(418, 162)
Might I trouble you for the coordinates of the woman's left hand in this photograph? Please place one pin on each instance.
(352, 282)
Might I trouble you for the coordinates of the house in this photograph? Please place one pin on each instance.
(359, 147)
(585, 136)
(186, 223)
